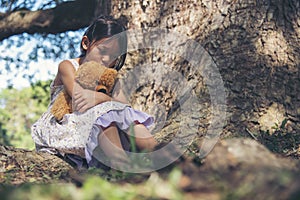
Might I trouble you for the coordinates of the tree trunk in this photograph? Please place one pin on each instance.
(254, 44)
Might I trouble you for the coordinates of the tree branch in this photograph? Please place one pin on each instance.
(67, 16)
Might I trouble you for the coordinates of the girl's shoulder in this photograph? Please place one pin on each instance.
(74, 62)
(65, 68)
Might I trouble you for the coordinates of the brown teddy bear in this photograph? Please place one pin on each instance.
(90, 75)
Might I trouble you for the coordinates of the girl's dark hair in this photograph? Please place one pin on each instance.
(105, 27)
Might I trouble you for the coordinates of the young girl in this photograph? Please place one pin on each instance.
(98, 118)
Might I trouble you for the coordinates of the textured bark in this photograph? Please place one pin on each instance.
(19, 166)
(242, 169)
(255, 45)
(66, 16)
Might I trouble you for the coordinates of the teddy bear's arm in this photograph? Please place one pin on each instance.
(61, 106)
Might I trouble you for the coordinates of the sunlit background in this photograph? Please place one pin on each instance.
(32, 61)
(26, 58)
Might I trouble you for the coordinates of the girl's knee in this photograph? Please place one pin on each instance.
(109, 127)
(140, 126)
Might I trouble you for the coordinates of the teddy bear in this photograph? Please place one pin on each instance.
(90, 75)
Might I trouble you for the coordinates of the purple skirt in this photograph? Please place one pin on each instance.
(122, 119)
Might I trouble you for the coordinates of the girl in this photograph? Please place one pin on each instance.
(98, 117)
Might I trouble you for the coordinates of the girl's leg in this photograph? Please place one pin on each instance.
(109, 141)
(143, 138)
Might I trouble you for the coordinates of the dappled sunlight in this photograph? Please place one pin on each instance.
(272, 116)
(274, 48)
(42, 70)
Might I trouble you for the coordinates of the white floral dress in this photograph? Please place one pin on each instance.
(76, 133)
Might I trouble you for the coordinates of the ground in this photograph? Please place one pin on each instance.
(237, 168)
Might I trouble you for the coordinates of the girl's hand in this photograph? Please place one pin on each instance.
(83, 99)
(118, 94)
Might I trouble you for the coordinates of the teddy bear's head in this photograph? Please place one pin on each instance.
(94, 76)
(90, 75)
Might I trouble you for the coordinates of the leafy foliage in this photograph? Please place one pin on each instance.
(28, 49)
(20, 51)
(13, 5)
(95, 187)
(19, 110)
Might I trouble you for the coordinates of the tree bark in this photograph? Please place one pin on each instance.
(71, 15)
(22, 166)
(255, 45)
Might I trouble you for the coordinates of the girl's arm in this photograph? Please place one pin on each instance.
(83, 99)
(66, 74)
(118, 94)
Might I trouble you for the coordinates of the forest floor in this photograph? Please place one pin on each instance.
(237, 168)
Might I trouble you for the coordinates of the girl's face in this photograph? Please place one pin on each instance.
(104, 51)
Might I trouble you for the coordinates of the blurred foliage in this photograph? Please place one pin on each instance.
(13, 5)
(20, 108)
(95, 187)
(19, 51)
(28, 49)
